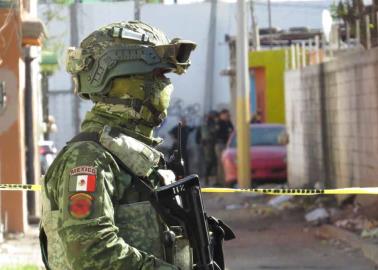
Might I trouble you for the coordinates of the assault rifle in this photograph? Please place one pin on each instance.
(181, 203)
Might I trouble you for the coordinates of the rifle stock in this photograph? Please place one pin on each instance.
(191, 216)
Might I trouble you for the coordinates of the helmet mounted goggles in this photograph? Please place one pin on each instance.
(92, 75)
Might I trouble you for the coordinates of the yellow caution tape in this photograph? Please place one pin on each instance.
(282, 191)
(299, 191)
(14, 187)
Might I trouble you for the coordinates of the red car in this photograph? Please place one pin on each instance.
(268, 155)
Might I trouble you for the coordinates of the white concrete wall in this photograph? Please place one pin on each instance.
(332, 111)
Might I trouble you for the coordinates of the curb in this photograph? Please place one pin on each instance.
(369, 250)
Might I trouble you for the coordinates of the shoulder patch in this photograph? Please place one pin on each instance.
(82, 182)
(80, 205)
(83, 178)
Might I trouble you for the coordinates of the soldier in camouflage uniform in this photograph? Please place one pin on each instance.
(94, 217)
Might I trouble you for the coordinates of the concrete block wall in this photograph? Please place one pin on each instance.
(332, 116)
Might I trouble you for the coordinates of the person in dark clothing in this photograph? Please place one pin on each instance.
(223, 129)
(206, 136)
(256, 118)
(185, 132)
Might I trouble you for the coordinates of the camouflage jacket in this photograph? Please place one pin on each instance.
(93, 216)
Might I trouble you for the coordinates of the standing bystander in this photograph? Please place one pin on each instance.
(223, 130)
(256, 118)
(207, 136)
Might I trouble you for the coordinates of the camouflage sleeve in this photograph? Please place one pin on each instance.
(84, 190)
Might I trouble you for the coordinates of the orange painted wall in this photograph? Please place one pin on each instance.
(260, 84)
(12, 152)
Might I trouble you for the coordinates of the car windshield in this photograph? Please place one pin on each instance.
(263, 135)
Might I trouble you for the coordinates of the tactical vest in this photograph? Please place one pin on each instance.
(138, 222)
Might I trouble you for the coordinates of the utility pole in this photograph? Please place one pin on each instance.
(137, 10)
(270, 24)
(242, 98)
(255, 29)
(358, 34)
(367, 32)
(75, 42)
(210, 61)
(31, 141)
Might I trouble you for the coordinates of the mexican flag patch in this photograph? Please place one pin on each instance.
(83, 178)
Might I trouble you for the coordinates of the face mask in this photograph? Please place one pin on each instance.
(152, 93)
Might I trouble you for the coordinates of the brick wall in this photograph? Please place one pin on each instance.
(332, 121)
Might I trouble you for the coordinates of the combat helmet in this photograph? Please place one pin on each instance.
(126, 49)
(123, 49)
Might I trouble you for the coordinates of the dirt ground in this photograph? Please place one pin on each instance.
(278, 240)
(266, 240)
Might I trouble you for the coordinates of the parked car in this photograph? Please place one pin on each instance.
(47, 154)
(268, 155)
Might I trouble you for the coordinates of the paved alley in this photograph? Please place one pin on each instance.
(278, 240)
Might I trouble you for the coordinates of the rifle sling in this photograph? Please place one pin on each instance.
(43, 247)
